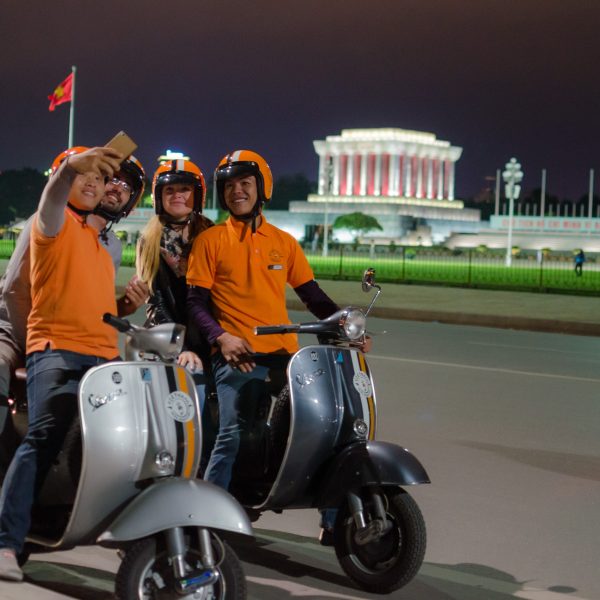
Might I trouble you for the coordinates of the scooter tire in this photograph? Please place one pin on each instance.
(145, 568)
(388, 564)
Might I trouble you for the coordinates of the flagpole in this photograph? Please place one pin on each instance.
(72, 111)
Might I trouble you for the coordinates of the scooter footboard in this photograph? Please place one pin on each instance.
(369, 463)
(177, 503)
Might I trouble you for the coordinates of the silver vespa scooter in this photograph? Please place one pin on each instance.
(126, 479)
(312, 444)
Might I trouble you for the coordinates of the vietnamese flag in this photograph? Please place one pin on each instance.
(63, 93)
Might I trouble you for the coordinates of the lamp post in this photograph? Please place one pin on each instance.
(512, 177)
(328, 188)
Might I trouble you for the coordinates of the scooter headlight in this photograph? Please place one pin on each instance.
(355, 324)
(164, 340)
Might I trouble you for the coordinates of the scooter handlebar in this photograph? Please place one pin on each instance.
(271, 329)
(329, 325)
(316, 327)
(122, 325)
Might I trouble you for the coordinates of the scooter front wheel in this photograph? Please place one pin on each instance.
(146, 573)
(391, 561)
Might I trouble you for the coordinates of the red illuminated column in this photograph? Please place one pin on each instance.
(429, 179)
(371, 174)
(350, 175)
(447, 179)
(358, 164)
(386, 161)
(400, 179)
(343, 174)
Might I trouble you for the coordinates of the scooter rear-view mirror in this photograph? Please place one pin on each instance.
(368, 279)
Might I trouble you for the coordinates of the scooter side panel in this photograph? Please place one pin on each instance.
(358, 393)
(177, 502)
(330, 390)
(130, 412)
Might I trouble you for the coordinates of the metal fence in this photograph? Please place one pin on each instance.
(6, 248)
(531, 271)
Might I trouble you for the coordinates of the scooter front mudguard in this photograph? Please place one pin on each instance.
(368, 463)
(177, 503)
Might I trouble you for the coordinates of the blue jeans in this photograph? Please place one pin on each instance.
(202, 384)
(52, 382)
(328, 517)
(232, 387)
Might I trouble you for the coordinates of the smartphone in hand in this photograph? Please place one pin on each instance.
(123, 144)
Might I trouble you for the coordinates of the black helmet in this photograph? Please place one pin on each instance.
(135, 172)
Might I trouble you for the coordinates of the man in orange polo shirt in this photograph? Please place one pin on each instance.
(72, 286)
(239, 270)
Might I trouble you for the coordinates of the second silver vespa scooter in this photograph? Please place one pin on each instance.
(313, 445)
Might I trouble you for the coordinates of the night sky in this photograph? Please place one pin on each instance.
(496, 77)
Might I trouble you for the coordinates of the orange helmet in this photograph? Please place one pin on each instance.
(178, 171)
(61, 157)
(244, 162)
(131, 167)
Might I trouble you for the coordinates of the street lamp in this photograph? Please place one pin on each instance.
(328, 188)
(512, 178)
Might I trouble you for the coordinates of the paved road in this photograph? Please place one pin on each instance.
(506, 423)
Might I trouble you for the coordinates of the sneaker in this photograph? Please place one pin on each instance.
(326, 537)
(9, 568)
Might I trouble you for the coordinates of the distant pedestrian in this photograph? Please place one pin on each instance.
(579, 260)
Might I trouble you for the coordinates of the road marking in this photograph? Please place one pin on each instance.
(536, 348)
(475, 368)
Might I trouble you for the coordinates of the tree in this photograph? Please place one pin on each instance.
(290, 187)
(20, 192)
(357, 224)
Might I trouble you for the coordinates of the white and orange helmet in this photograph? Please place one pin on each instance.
(63, 155)
(244, 162)
(178, 171)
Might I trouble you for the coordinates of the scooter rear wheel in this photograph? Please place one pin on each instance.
(390, 562)
(146, 573)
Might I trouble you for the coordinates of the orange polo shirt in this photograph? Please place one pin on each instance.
(246, 274)
(72, 286)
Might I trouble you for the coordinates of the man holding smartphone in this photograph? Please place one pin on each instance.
(121, 195)
(72, 286)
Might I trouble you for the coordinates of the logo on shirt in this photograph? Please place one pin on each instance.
(275, 255)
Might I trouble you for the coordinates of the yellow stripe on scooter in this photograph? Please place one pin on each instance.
(370, 401)
(189, 428)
